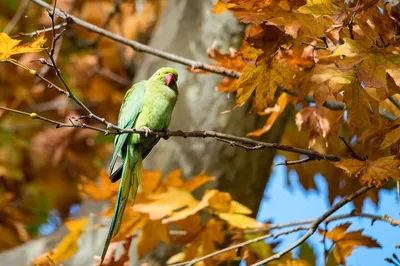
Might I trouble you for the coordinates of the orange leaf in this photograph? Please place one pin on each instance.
(375, 173)
(346, 242)
(149, 236)
(220, 201)
(102, 191)
(204, 243)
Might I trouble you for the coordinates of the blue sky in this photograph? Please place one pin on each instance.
(287, 205)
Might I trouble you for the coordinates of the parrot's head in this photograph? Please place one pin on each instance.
(167, 76)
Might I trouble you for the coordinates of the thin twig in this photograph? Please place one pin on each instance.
(240, 245)
(304, 160)
(37, 32)
(314, 226)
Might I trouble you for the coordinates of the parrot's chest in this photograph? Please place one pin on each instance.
(157, 110)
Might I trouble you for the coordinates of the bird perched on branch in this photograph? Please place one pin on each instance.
(147, 105)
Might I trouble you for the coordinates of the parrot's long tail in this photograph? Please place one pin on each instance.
(131, 175)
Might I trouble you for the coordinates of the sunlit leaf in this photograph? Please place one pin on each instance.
(9, 46)
(67, 247)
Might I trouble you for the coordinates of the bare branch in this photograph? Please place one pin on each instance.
(305, 160)
(240, 245)
(314, 226)
(37, 32)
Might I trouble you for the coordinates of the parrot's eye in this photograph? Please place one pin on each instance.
(169, 79)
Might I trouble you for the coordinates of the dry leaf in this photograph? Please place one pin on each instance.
(375, 173)
(346, 242)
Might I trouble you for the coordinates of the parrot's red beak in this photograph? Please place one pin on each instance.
(169, 78)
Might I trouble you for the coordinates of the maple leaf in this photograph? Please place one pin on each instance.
(163, 204)
(319, 121)
(151, 233)
(391, 138)
(131, 221)
(191, 209)
(101, 191)
(322, 7)
(67, 247)
(174, 179)
(346, 242)
(263, 78)
(373, 62)
(240, 221)
(375, 173)
(203, 244)
(9, 47)
(357, 105)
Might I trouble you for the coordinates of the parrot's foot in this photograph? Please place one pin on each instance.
(147, 131)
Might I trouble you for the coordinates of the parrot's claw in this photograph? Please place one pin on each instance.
(147, 131)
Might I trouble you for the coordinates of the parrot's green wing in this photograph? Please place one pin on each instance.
(130, 109)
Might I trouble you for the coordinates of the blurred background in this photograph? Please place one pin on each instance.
(41, 167)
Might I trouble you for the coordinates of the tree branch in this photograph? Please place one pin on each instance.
(240, 245)
(314, 226)
(311, 230)
(139, 46)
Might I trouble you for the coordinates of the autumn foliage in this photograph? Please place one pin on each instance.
(332, 66)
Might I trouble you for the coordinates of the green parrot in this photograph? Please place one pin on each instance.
(147, 105)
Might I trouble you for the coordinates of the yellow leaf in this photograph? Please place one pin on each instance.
(375, 173)
(192, 208)
(67, 247)
(237, 207)
(373, 62)
(263, 78)
(164, 204)
(9, 46)
(346, 242)
(322, 7)
(240, 221)
(221, 201)
(152, 232)
(102, 191)
(357, 105)
(390, 138)
(197, 181)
